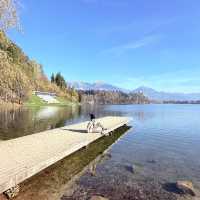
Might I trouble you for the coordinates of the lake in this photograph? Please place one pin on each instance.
(162, 147)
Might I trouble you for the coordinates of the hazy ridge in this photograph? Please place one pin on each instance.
(147, 91)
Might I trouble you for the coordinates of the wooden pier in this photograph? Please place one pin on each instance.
(26, 156)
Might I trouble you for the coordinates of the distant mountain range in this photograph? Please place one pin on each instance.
(101, 86)
(148, 92)
(167, 96)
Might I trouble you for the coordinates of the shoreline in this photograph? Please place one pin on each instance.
(9, 105)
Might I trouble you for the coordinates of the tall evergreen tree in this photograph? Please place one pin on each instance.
(60, 81)
(52, 78)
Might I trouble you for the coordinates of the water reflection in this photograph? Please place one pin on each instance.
(24, 121)
(141, 113)
(47, 112)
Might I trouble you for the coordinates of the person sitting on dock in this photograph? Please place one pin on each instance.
(94, 126)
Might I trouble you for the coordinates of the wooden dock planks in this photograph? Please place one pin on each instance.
(24, 157)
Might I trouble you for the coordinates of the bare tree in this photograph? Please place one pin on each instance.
(9, 14)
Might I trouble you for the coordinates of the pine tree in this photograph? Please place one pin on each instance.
(52, 78)
(60, 81)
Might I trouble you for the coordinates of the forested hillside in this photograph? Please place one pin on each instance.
(112, 97)
(19, 75)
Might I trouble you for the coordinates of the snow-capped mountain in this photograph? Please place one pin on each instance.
(95, 86)
(148, 92)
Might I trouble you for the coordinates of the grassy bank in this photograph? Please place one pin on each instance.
(36, 101)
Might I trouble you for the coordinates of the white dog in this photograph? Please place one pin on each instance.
(94, 126)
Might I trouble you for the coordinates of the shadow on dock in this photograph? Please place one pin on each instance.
(50, 183)
(76, 130)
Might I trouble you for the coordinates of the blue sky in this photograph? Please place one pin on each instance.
(128, 43)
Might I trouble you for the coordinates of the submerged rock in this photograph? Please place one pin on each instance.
(130, 168)
(98, 160)
(186, 187)
(107, 155)
(151, 161)
(95, 197)
(135, 168)
(3, 197)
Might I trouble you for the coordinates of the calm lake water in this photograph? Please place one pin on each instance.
(162, 146)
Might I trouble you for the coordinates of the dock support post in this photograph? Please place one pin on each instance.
(12, 192)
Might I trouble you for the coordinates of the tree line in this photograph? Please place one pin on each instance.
(111, 97)
(59, 80)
